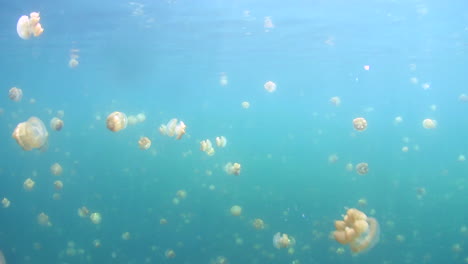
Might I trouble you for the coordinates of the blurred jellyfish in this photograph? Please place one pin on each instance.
(258, 224)
(336, 101)
(15, 94)
(461, 158)
(83, 212)
(182, 194)
(144, 143)
(283, 241)
(362, 202)
(429, 123)
(333, 158)
(29, 26)
(96, 243)
(2, 258)
(220, 260)
(141, 117)
(28, 184)
(5, 202)
(126, 236)
(132, 120)
(60, 113)
(463, 98)
(207, 147)
(404, 149)
(362, 168)
(398, 120)
(360, 124)
(163, 221)
(236, 210)
(43, 220)
(357, 230)
(232, 168)
(270, 86)
(31, 134)
(56, 124)
(221, 141)
(96, 218)
(169, 253)
(173, 128)
(268, 23)
(116, 121)
(58, 185)
(223, 79)
(245, 105)
(56, 169)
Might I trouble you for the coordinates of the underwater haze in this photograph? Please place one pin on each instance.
(345, 123)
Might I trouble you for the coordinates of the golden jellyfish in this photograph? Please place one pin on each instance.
(173, 128)
(169, 253)
(163, 221)
(31, 134)
(360, 124)
(429, 123)
(182, 194)
(207, 147)
(83, 212)
(97, 243)
(28, 184)
(336, 101)
(357, 230)
(56, 196)
(15, 94)
(56, 169)
(56, 124)
(270, 86)
(258, 224)
(116, 121)
(5, 202)
(144, 143)
(221, 141)
(43, 220)
(96, 218)
(362, 168)
(283, 241)
(232, 168)
(245, 105)
(58, 185)
(29, 26)
(73, 62)
(126, 236)
(236, 210)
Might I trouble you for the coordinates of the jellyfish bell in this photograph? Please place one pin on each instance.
(221, 141)
(96, 218)
(29, 26)
(58, 185)
(56, 124)
(283, 241)
(245, 105)
(429, 123)
(360, 124)
(336, 101)
(56, 169)
(73, 63)
(270, 86)
(15, 94)
(236, 210)
(362, 168)
(116, 121)
(31, 134)
(144, 143)
(28, 184)
(180, 130)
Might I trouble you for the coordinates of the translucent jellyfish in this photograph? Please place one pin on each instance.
(362, 202)
(132, 120)
(270, 86)
(398, 120)
(116, 121)
(56, 169)
(5, 202)
(2, 258)
(29, 26)
(283, 241)
(126, 236)
(336, 101)
(96, 218)
(245, 105)
(463, 98)
(223, 79)
(162, 221)
(180, 130)
(207, 147)
(221, 141)
(357, 230)
(362, 168)
(360, 124)
(97, 243)
(182, 194)
(15, 94)
(28, 184)
(83, 212)
(429, 123)
(236, 210)
(169, 253)
(58, 185)
(258, 224)
(333, 158)
(144, 143)
(56, 124)
(268, 23)
(31, 134)
(232, 168)
(43, 220)
(173, 129)
(404, 149)
(60, 113)
(461, 158)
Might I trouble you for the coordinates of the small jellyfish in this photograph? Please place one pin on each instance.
(463, 98)
(173, 128)
(429, 123)
(357, 230)
(83, 212)
(270, 86)
(221, 141)
(180, 130)
(97, 243)
(245, 105)
(43, 220)
(96, 218)
(132, 120)
(182, 194)
(58, 185)
(258, 224)
(31, 134)
(5, 202)
(73, 62)
(126, 236)
(15, 94)
(461, 158)
(236, 210)
(141, 117)
(232, 168)
(223, 79)
(163, 221)
(28, 184)
(56, 169)
(116, 121)
(207, 147)
(362, 168)
(29, 26)
(360, 124)
(336, 101)
(56, 124)
(268, 23)
(144, 143)
(169, 253)
(283, 241)
(398, 120)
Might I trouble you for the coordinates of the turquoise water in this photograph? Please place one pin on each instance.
(198, 61)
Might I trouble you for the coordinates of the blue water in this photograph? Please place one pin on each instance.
(166, 59)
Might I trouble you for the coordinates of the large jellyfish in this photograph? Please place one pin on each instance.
(357, 230)
(29, 26)
(116, 121)
(31, 134)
